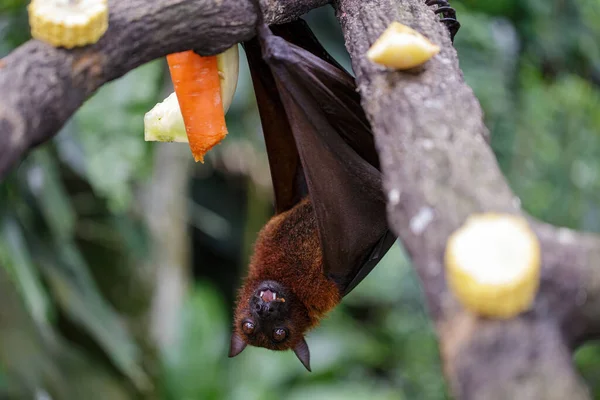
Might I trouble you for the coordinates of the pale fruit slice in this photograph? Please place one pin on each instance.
(493, 265)
(164, 122)
(228, 64)
(68, 23)
(401, 47)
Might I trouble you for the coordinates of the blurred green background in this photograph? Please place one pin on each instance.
(119, 259)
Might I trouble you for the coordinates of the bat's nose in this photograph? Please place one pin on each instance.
(267, 306)
(264, 309)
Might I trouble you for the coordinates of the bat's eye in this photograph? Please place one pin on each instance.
(279, 334)
(248, 327)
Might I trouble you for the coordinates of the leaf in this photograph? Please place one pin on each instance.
(43, 178)
(345, 391)
(77, 294)
(111, 132)
(488, 50)
(16, 259)
(24, 353)
(88, 379)
(195, 363)
(556, 169)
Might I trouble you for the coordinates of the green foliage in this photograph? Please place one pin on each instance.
(486, 41)
(109, 130)
(492, 8)
(39, 252)
(77, 295)
(558, 138)
(534, 77)
(15, 257)
(74, 240)
(586, 359)
(202, 342)
(46, 209)
(13, 17)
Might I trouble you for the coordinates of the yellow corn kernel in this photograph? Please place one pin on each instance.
(68, 23)
(493, 265)
(401, 47)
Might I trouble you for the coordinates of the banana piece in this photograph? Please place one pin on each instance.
(401, 47)
(493, 265)
(164, 122)
(68, 23)
(228, 64)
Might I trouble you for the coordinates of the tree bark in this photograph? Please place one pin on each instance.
(43, 86)
(438, 169)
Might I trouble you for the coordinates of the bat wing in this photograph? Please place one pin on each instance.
(284, 161)
(319, 140)
(289, 184)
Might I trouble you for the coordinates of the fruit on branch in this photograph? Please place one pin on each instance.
(165, 122)
(68, 23)
(493, 265)
(401, 47)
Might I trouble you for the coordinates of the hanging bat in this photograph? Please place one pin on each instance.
(330, 228)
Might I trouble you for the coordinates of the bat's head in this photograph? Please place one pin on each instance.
(268, 315)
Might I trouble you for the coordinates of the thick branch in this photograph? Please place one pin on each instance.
(572, 280)
(439, 169)
(42, 86)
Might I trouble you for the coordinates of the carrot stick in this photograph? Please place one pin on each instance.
(198, 89)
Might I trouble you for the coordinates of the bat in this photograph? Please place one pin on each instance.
(330, 229)
(448, 15)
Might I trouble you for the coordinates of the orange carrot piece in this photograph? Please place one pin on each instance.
(198, 89)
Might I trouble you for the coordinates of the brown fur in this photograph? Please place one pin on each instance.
(288, 251)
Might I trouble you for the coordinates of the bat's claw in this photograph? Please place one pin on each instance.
(448, 15)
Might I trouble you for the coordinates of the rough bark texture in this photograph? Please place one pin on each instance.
(43, 86)
(438, 169)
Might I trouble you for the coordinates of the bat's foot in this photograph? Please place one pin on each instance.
(448, 15)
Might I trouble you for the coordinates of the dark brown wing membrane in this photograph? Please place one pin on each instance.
(286, 171)
(345, 114)
(319, 103)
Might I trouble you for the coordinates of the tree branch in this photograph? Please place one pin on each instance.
(572, 280)
(438, 169)
(43, 86)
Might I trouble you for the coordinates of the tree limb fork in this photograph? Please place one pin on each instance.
(438, 169)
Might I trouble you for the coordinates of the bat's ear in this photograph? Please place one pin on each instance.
(303, 353)
(237, 345)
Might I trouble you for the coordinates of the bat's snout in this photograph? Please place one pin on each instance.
(264, 310)
(269, 302)
(270, 309)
